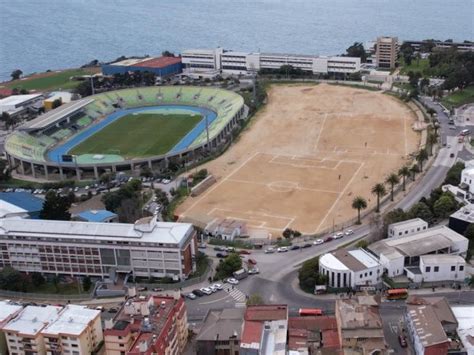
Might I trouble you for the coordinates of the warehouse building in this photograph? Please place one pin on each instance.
(160, 66)
(147, 248)
(17, 105)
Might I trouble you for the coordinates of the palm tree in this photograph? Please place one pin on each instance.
(404, 172)
(414, 169)
(432, 139)
(359, 203)
(392, 180)
(379, 191)
(421, 157)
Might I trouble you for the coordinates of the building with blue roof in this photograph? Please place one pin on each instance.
(20, 203)
(96, 216)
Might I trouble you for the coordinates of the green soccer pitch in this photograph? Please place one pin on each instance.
(139, 135)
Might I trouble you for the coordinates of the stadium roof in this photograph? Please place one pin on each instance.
(44, 121)
(23, 200)
(160, 62)
(96, 215)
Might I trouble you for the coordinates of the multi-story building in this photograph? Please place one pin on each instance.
(19, 104)
(359, 326)
(386, 52)
(148, 325)
(77, 330)
(202, 62)
(24, 332)
(7, 312)
(353, 268)
(462, 218)
(407, 228)
(146, 248)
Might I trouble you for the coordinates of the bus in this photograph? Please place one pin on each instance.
(304, 312)
(397, 294)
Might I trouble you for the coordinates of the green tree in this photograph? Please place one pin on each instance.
(56, 282)
(404, 172)
(37, 279)
(86, 283)
(255, 300)
(228, 266)
(146, 172)
(421, 210)
(357, 50)
(394, 216)
(4, 171)
(362, 244)
(55, 207)
(421, 157)
(392, 180)
(453, 176)
(359, 203)
(379, 191)
(431, 140)
(414, 170)
(16, 74)
(430, 111)
(309, 275)
(444, 206)
(8, 120)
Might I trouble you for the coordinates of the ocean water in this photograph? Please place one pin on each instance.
(37, 35)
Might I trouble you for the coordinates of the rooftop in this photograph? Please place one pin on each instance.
(160, 62)
(355, 260)
(18, 99)
(442, 259)
(7, 310)
(33, 319)
(302, 331)
(255, 319)
(96, 215)
(440, 306)
(354, 315)
(426, 324)
(152, 232)
(408, 223)
(73, 320)
(222, 324)
(465, 213)
(23, 200)
(465, 317)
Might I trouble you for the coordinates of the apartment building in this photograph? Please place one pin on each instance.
(145, 248)
(7, 312)
(386, 53)
(148, 325)
(202, 62)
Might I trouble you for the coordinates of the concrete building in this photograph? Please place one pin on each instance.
(313, 335)
(465, 330)
(467, 177)
(20, 204)
(353, 268)
(438, 268)
(226, 229)
(396, 254)
(146, 248)
(202, 63)
(359, 326)
(406, 228)
(264, 330)
(160, 66)
(386, 53)
(439, 45)
(462, 218)
(77, 330)
(147, 325)
(24, 332)
(429, 321)
(19, 104)
(220, 332)
(7, 312)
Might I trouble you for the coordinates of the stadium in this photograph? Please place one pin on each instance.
(124, 130)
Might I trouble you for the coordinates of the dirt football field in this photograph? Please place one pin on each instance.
(304, 158)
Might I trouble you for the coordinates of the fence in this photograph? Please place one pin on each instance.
(46, 296)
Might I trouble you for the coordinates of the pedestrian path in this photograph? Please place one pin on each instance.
(236, 294)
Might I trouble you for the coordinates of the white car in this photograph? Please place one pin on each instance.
(191, 296)
(337, 236)
(282, 249)
(269, 251)
(217, 286)
(212, 288)
(318, 242)
(232, 281)
(206, 290)
(254, 271)
(349, 232)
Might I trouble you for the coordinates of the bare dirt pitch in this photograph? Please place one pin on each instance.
(305, 157)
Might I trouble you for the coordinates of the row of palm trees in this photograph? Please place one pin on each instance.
(359, 203)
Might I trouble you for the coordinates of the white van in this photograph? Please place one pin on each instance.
(465, 132)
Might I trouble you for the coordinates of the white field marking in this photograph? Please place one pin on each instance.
(320, 132)
(220, 182)
(254, 218)
(268, 185)
(341, 194)
(254, 213)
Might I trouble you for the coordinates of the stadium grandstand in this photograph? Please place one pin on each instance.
(42, 148)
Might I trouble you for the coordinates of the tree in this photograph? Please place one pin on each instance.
(394, 216)
(431, 140)
(255, 300)
(228, 266)
(404, 172)
(56, 103)
(379, 191)
(55, 207)
(16, 74)
(86, 283)
(392, 180)
(37, 279)
(430, 111)
(8, 120)
(362, 244)
(453, 176)
(4, 171)
(420, 210)
(359, 203)
(357, 50)
(444, 206)
(167, 54)
(146, 172)
(421, 157)
(414, 170)
(309, 276)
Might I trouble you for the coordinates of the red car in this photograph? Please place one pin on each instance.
(328, 239)
(244, 252)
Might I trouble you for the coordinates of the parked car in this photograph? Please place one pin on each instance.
(338, 235)
(282, 249)
(328, 239)
(191, 296)
(212, 288)
(217, 286)
(230, 249)
(307, 245)
(141, 289)
(349, 232)
(403, 341)
(202, 246)
(252, 261)
(295, 247)
(232, 281)
(206, 290)
(269, 250)
(221, 255)
(254, 271)
(318, 242)
(157, 289)
(219, 248)
(244, 252)
(198, 293)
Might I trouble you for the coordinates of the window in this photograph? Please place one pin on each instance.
(74, 345)
(436, 268)
(370, 273)
(121, 345)
(365, 274)
(360, 275)
(428, 269)
(461, 267)
(453, 268)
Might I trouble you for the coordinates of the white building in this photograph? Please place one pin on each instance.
(226, 229)
(146, 248)
(435, 268)
(353, 268)
(465, 317)
(467, 176)
(7, 312)
(202, 62)
(395, 254)
(17, 104)
(406, 228)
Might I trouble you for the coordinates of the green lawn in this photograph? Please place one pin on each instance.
(139, 135)
(415, 66)
(50, 81)
(459, 98)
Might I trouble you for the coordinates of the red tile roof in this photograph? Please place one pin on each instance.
(311, 323)
(266, 312)
(252, 332)
(160, 62)
(331, 339)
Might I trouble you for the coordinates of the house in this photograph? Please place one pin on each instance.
(226, 229)
(438, 268)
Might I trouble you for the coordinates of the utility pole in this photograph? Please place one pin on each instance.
(92, 84)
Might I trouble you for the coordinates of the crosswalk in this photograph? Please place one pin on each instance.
(239, 297)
